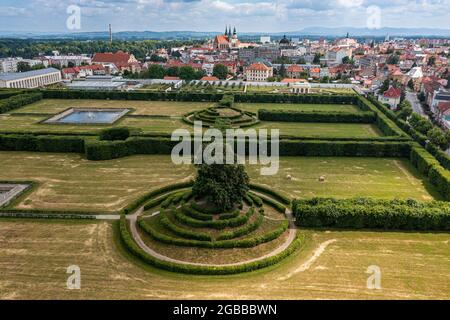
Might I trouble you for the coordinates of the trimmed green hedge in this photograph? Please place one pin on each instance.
(344, 148)
(440, 155)
(227, 101)
(316, 116)
(17, 101)
(193, 213)
(241, 243)
(5, 94)
(106, 150)
(182, 232)
(431, 168)
(134, 249)
(277, 206)
(131, 95)
(116, 133)
(146, 197)
(373, 214)
(214, 224)
(255, 199)
(277, 195)
(248, 228)
(48, 143)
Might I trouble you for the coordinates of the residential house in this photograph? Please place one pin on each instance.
(294, 71)
(121, 60)
(391, 97)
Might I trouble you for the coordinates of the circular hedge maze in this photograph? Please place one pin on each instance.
(176, 232)
(234, 117)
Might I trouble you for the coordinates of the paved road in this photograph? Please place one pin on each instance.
(415, 103)
(136, 236)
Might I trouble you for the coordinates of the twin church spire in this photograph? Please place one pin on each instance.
(228, 31)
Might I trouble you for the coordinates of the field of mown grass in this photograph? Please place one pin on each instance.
(29, 118)
(69, 182)
(254, 107)
(165, 108)
(347, 177)
(34, 256)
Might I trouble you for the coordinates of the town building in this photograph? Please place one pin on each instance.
(65, 61)
(9, 65)
(227, 40)
(120, 60)
(391, 97)
(30, 79)
(294, 71)
(258, 72)
(83, 71)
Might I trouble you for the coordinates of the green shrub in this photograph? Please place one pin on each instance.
(255, 199)
(193, 213)
(182, 232)
(373, 214)
(134, 249)
(214, 224)
(316, 116)
(241, 243)
(117, 133)
(38, 143)
(142, 199)
(17, 101)
(278, 196)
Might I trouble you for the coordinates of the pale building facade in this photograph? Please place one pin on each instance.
(30, 79)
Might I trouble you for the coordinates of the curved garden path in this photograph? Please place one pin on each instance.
(136, 236)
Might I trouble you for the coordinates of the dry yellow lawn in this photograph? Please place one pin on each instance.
(69, 182)
(34, 256)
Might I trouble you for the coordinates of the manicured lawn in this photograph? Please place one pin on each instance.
(31, 123)
(254, 107)
(38, 112)
(67, 181)
(34, 256)
(167, 108)
(347, 177)
(322, 130)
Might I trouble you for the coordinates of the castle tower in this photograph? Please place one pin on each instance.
(226, 30)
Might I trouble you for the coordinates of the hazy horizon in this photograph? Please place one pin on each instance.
(250, 16)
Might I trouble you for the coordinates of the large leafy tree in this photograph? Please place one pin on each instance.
(155, 71)
(220, 71)
(223, 185)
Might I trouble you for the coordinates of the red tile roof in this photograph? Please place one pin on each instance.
(290, 80)
(119, 57)
(171, 78)
(209, 79)
(393, 93)
(294, 68)
(258, 66)
(221, 39)
(78, 69)
(444, 106)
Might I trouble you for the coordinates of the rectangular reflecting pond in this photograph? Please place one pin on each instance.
(88, 116)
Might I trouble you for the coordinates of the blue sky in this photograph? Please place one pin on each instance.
(212, 15)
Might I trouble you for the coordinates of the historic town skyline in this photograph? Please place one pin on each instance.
(212, 15)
